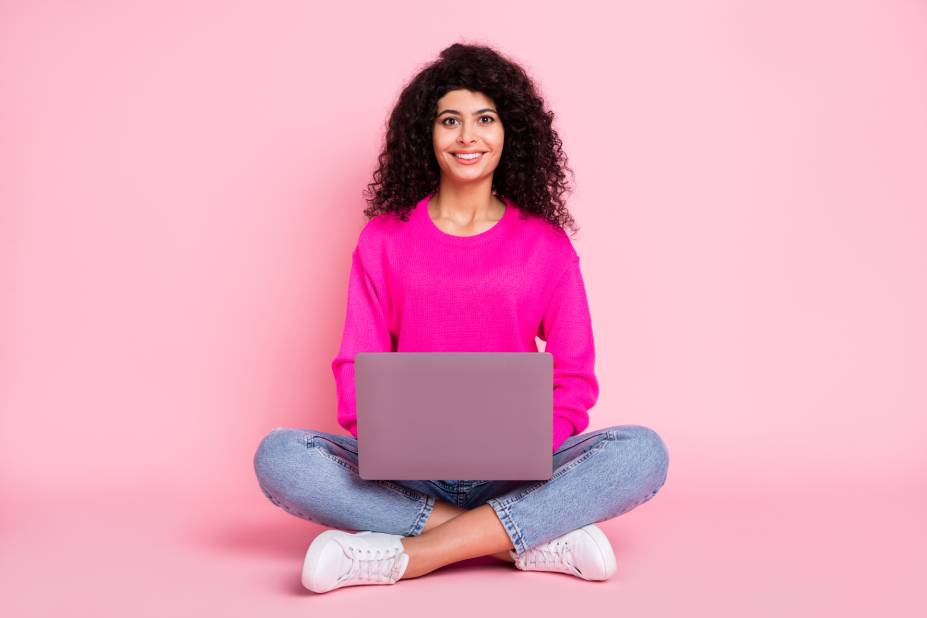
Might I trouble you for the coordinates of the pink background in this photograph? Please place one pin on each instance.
(181, 184)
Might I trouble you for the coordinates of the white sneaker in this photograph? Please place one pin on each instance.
(336, 558)
(584, 552)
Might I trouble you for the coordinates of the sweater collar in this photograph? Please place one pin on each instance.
(423, 219)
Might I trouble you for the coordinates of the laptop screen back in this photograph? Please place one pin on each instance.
(454, 415)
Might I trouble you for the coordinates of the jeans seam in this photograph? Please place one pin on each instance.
(508, 522)
(423, 516)
(579, 442)
(338, 444)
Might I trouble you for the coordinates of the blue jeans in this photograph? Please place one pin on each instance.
(596, 476)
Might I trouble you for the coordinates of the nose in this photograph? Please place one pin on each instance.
(465, 133)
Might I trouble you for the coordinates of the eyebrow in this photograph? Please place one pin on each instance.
(477, 112)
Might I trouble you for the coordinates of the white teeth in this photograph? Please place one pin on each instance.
(469, 156)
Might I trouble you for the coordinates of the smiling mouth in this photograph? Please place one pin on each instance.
(469, 157)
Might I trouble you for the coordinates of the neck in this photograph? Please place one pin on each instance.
(472, 201)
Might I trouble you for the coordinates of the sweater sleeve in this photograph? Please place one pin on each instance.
(365, 330)
(567, 329)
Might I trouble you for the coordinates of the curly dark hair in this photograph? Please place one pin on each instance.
(532, 169)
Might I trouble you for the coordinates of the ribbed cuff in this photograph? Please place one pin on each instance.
(563, 429)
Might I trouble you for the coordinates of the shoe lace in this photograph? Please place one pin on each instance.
(554, 554)
(373, 565)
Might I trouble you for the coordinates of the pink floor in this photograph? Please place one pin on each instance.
(831, 550)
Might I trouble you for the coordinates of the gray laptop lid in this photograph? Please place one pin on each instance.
(454, 415)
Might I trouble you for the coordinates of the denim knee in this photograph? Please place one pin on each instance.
(652, 453)
(276, 456)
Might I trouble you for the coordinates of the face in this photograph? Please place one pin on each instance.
(467, 122)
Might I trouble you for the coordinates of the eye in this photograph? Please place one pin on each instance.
(490, 118)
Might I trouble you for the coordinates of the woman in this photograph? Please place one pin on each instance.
(465, 250)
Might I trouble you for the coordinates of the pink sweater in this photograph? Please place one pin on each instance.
(415, 288)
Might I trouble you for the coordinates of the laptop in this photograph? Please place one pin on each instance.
(454, 415)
